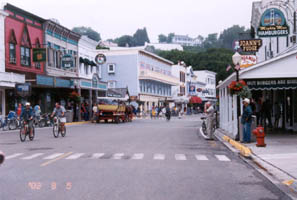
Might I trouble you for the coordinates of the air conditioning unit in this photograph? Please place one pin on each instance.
(293, 39)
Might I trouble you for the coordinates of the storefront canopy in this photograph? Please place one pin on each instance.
(195, 99)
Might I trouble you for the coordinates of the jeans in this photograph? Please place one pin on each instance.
(247, 132)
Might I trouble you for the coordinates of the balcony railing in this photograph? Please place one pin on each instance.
(156, 76)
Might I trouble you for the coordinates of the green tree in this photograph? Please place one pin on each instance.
(170, 37)
(162, 38)
(125, 41)
(140, 37)
(88, 31)
(211, 41)
(229, 35)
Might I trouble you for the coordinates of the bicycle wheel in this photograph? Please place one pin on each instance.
(56, 130)
(23, 134)
(63, 133)
(33, 134)
(5, 126)
(204, 128)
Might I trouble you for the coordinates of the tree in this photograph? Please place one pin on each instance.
(88, 31)
(162, 38)
(211, 41)
(170, 37)
(236, 32)
(140, 37)
(125, 41)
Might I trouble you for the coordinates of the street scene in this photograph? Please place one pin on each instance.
(144, 100)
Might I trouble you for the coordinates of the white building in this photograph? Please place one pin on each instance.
(276, 11)
(179, 91)
(7, 79)
(209, 79)
(164, 46)
(89, 73)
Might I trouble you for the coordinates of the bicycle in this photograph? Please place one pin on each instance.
(203, 129)
(25, 130)
(57, 128)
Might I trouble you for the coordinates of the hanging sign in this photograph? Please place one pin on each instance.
(273, 24)
(67, 61)
(248, 60)
(252, 45)
(100, 59)
(39, 54)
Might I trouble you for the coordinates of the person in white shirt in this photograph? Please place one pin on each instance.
(210, 111)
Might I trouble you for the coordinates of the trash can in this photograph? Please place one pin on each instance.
(253, 126)
(69, 115)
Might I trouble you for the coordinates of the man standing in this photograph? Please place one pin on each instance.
(246, 120)
(210, 111)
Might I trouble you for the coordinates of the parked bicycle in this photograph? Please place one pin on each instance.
(203, 129)
(25, 130)
(58, 127)
(13, 121)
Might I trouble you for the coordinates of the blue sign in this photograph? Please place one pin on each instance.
(87, 84)
(44, 80)
(273, 24)
(63, 83)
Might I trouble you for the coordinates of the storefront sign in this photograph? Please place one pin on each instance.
(67, 61)
(63, 83)
(273, 24)
(39, 55)
(100, 59)
(23, 90)
(267, 84)
(44, 80)
(192, 88)
(248, 60)
(250, 45)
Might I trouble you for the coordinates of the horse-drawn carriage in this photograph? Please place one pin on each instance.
(114, 109)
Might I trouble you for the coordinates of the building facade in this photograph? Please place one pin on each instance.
(147, 76)
(23, 32)
(185, 40)
(207, 79)
(179, 92)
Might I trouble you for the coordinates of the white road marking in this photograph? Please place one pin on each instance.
(222, 158)
(201, 157)
(137, 156)
(97, 155)
(13, 156)
(180, 157)
(159, 157)
(32, 156)
(53, 156)
(75, 156)
(117, 156)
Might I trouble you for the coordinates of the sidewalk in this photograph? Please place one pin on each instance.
(277, 161)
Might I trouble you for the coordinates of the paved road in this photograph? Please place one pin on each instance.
(142, 160)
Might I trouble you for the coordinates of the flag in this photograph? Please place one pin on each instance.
(228, 68)
(237, 67)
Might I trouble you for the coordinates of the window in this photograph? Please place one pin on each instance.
(111, 84)
(86, 69)
(111, 68)
(37, 64)
(25, 56)
(12, 53)
(12, 47)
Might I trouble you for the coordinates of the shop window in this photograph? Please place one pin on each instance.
(37, 64)
(25, 48)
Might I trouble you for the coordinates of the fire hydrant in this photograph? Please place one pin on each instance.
(260, 135)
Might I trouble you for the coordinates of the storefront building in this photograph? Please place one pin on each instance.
(23, 32)
(179, 92)
(147, 76)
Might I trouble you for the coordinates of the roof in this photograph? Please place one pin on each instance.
(21, 11)
(117, 92)
(232, 77)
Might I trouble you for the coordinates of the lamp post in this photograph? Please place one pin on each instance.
(236, 58)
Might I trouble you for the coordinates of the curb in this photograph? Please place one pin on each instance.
(289, 186)
(78, 123)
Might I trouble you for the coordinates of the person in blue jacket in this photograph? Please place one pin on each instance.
(246, 120)
(27, 115)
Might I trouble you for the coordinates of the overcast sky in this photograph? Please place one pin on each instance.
(114, 18)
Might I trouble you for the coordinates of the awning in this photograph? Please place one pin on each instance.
(81, 60)
(272, 84)
(93, 63)
(87, 61)
(195, 99)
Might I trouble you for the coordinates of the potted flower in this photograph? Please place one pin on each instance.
(239, 88)
(74, 96)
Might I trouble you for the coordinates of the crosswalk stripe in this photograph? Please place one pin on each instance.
(201, 157)
(75, 156)
(97, 155)
(159, 157)
(13, 156)
(32, 156)
(180, 157)
(117, 156)
(222, 158)
(53, 156)
(137, 156)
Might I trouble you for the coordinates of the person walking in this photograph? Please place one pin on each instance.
(246, 120)
(95, 110)
(210, 114)
(258, 111)
(267, 113)
(277, 114)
